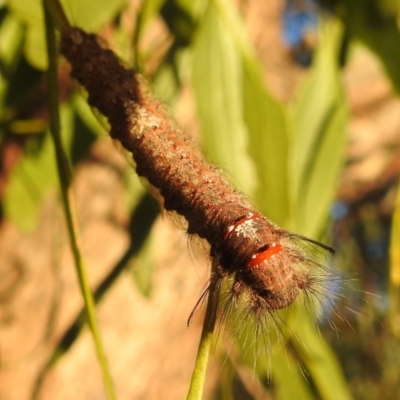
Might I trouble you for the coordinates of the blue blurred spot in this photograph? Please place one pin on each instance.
(376, 249)
(299, 17)
(339, 210)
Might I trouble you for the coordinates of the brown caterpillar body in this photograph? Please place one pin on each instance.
(265, 261)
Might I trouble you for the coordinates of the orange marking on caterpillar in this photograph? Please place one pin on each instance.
(264, 255)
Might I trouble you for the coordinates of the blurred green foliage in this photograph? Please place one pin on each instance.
(286, 157)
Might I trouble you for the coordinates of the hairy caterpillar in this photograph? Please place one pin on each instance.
(265, 264)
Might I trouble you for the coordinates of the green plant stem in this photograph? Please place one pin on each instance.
(203, 353)
(54, 8)
(65, 179)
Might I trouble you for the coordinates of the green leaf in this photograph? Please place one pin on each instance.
(28, 184)
(11, 33)
(252, 115)
(148, 11)
(320, 117)
(266, 123)
(284, 366)
(217, 84)
(144, 265)
(268, 144)
(142, 247)
(271, 356)
(35, 176)
(35, 46)
(91, 15)
(30, 13)
(319, 360)
(85, 113)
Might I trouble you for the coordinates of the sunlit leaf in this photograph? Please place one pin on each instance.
(84, 112)
(287, 366)
(36, 174)
(217, 82)
(143, 266)
(28, 185)
(320, 118)
(29, 11)
(148, 11)
(91, 14)
(11, 33)
(268, 144)
(264, 118)
(35, 47)
(319, 359)
(165, 84)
